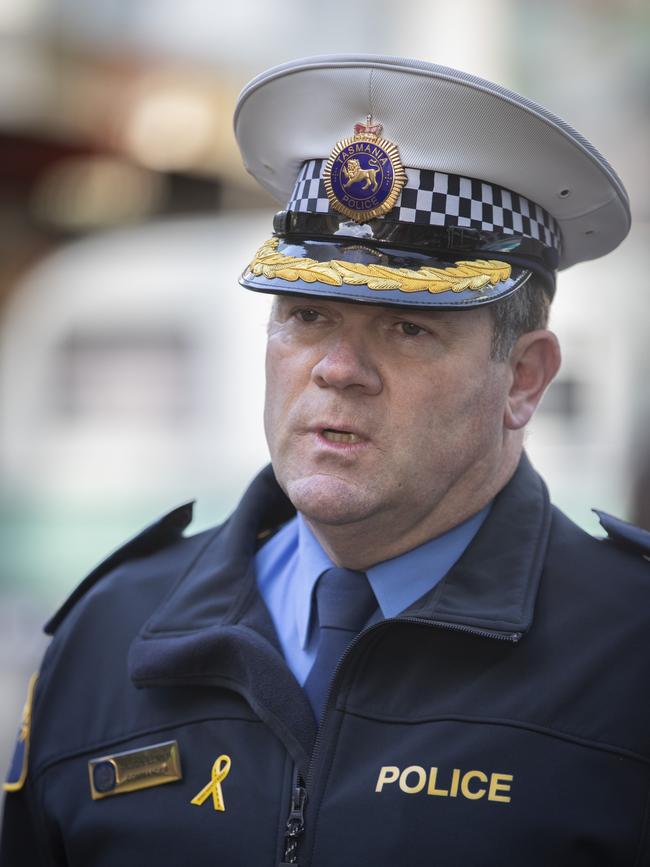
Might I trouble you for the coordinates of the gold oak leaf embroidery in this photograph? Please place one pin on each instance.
(473, 275)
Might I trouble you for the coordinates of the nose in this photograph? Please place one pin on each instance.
(346, 363)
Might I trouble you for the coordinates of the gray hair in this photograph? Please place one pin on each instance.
(525, 310)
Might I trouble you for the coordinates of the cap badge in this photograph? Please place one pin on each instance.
(364, 174)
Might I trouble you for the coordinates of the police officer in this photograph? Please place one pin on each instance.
(395, 651)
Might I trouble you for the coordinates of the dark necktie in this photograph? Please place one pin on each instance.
(344, 603)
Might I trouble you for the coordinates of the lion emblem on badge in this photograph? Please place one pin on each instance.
(354, 173)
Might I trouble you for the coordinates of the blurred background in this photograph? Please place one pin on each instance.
(131, 361)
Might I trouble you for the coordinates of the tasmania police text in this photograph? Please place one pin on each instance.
(468, 784)
(363, 148)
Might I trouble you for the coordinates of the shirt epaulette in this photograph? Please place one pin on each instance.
(162, 532)
(625, 534)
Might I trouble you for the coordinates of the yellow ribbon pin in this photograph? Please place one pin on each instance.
(220, 770)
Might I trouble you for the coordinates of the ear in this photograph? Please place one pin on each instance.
(534, 361)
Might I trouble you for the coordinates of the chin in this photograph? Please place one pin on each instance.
(329, 499)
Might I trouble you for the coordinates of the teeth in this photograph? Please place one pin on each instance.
(339, 437)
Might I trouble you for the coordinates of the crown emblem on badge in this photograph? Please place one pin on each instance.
(368, 128)
(364, 174)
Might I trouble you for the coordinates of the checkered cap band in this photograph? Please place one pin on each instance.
(432, 198)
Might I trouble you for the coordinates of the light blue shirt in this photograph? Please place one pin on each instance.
(291, 562)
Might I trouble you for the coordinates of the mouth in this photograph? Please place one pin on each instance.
(340, 436)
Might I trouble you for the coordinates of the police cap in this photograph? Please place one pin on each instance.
(408, 183)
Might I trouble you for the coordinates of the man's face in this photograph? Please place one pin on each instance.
(378, 413)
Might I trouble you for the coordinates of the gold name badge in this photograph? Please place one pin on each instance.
(135, 769)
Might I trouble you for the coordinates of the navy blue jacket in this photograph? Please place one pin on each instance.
(503, 719)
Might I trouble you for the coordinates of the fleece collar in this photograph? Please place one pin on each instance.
(214, 628)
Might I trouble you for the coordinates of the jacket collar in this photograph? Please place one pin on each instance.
(214, 628)
(493, 585)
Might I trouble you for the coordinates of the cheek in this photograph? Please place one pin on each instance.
(463, 408)
(273, 396)
(487, 405)
(287, 376)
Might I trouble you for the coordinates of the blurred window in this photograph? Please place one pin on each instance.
(139, 376)
(564, 398)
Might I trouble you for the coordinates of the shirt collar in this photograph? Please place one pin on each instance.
(397, 583)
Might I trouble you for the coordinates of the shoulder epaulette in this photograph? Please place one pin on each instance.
(163, 532)
(625, 534)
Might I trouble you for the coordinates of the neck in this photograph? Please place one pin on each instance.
(362, 544)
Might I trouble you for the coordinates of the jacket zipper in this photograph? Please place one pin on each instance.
(296, 820)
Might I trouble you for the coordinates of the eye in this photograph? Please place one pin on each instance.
(306, 314)
(410, 329)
